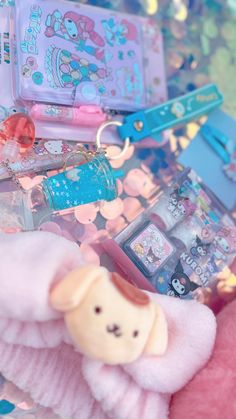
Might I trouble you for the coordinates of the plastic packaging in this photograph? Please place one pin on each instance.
(75, 56)
(15, 214)
(45, 155)
(175, 252)
(92, 181)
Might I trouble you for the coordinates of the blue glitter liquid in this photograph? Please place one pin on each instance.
(91, 182)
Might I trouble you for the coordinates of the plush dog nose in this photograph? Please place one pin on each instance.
(115, 329)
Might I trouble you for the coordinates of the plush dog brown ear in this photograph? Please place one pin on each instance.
(158, 337)
(69, 293)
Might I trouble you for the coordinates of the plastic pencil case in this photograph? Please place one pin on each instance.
(73, 54)
(175, 239)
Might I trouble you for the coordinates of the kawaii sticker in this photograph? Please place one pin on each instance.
(177, 204)
(119, 32)
(200, 249)
(151, 248)
(180, 284)
(53, 148)
(77, 29)
(29, 67)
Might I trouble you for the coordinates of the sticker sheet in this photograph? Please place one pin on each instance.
(72, 54)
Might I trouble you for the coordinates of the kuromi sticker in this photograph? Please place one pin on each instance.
(151, 248)
(180, 283)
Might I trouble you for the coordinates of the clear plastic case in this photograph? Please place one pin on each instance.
(178, 244)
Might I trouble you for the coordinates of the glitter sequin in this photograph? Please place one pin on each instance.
(200, 47)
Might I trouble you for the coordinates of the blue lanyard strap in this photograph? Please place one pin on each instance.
(143, 124)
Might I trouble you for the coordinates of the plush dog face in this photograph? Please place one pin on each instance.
(110, 320)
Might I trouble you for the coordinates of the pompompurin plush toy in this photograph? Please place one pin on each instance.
(109, 319)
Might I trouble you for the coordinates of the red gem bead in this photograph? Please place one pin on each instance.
(20, 128)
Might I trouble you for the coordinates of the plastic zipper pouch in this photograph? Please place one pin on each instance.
(74, 54)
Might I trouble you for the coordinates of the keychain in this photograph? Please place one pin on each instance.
(92, 181)
(95, 180)
(151, 122)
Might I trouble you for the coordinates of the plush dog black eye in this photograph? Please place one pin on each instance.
(98, 310)
(135, 333)
(69, 20)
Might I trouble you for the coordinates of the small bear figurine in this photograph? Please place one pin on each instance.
(109, 319)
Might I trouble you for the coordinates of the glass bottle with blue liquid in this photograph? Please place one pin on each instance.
(90, 182)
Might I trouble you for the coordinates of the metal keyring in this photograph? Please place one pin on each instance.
(99, 134)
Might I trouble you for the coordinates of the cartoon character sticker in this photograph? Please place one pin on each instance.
(177, 204)
(78, 29)
(119, 33)
(73, 175)
(29, 66)
(151, 248)
(152, 257)
(55, 148)
(130, 82)
(224, 243)
(201, 249)
(221, 247)
(180, 284)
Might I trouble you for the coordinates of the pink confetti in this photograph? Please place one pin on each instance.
(112, 210)
(86, 214)
(115, 226)
(132, 207)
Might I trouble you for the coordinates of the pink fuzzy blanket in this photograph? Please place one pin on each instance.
(38, 356)
(212, 392)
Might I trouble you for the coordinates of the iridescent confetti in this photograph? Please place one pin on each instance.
(200, 47)
(112, 210)
(132, 208)
(117, 225)
(86, 214)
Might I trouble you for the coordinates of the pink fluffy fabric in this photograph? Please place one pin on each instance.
(38, 356)
(212, 392)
